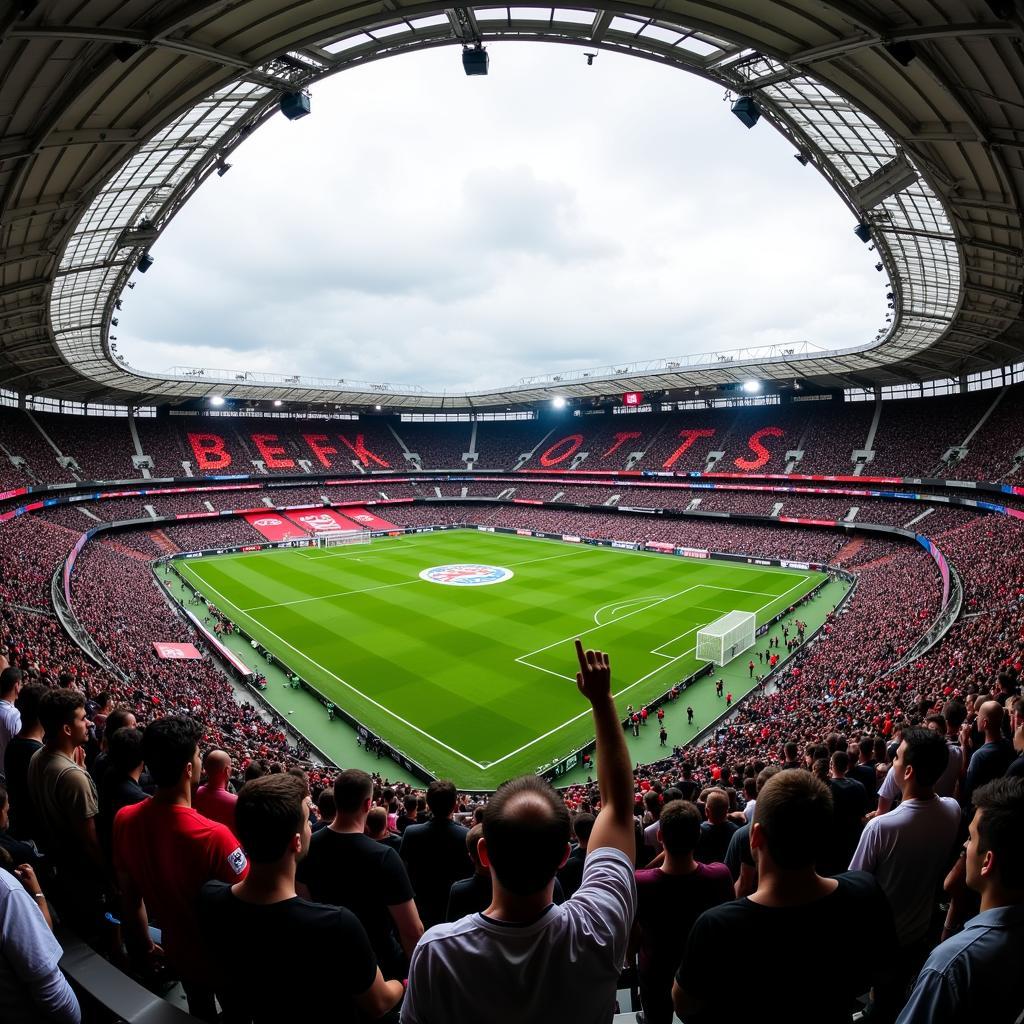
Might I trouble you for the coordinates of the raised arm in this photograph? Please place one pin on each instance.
(614, 824)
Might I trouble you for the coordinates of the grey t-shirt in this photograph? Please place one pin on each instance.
(478, 968)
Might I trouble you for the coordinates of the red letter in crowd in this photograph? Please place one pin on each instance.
(620, 439)
(690, 438)
(269, 453)
(574, 441)
(209, 451)
(362, 453)
(321, 451)
(762, 453)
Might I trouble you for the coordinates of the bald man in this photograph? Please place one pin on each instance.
(212, 800)
(993, 757)
(717, 832)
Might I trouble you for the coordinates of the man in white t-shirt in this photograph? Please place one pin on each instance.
(523, 958)
(909, 850)
(889, 791)
(10, 716)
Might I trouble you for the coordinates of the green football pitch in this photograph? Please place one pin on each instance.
(477, 683)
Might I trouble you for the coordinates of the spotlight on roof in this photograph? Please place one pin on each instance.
(145, 262)
(747, 110)
(802, 159)
(377, 407)
(863, 231)
(590, 58)
(217, 400)
(475, 60)
(278, 403)
(558, 402)
(879, 267)
(295, 105)
(222, 167)
(751, 386)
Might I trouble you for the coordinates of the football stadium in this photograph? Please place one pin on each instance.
(426, 693)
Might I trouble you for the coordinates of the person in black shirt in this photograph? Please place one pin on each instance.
(863, 769)
(716, 832)
(264, 912)
(377, 828)
(435, 853)
(991, 759)
(571, 873)
(347, 868)
(119, 718)
(849, 805)
(13, 852)
(793, 908)
(17, 756)
(119, 786)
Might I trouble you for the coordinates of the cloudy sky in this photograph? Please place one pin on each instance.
(425, 227)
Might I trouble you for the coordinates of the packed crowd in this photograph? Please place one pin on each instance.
(912, 437)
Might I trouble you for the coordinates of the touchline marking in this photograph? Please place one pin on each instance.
(327, 671)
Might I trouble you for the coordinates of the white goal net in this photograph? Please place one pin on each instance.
(726, 638)
(342, 538)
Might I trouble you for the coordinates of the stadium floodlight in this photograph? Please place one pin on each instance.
(863, 231)
(222, 167)
(377, 407)
(278, 403)
(751, 386)
(216, 400)
(558, 402)
(747, 110)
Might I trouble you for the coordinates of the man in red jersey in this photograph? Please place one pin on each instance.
(164, 852)
(212, 799)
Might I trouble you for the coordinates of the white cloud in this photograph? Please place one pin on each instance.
(427, 228)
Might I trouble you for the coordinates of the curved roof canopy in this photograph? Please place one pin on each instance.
(113, 112)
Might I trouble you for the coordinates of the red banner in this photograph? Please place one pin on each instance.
(275, 527)
(177, 652)
(322, 520)
(368, 521)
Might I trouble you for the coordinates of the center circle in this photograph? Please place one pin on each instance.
(466, 575)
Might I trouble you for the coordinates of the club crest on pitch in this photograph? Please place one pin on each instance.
(468, 575)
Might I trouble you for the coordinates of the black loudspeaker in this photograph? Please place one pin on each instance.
(475, 62)
(747, 110)
(295, 105)
(863, 232)
(145, 262)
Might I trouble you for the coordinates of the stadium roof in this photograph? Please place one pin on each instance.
(113, 112)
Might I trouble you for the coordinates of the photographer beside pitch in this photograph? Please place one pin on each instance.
(513, 962)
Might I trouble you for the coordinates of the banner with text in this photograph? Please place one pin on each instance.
(274, 527)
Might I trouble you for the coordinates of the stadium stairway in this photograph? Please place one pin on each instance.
(163, 542)
(848, 551)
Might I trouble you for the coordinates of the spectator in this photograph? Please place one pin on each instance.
(909, 851)
(120, 784)
(377, 828)
(738, 858)
(410, 809)
(17, 757)
(164, 852)
(10, 716)
(119, 718)
(325, 809)
(347, 868)
(475, 966)
(863, 769)
(435, 853)
(1016, 769)
(669, 899)
(31, 985)
(212, 799)
(993, 757)
(791, 906)
(849, 805)
(12, 851)
(570, 875)
(65, 805)
(716, 832)
(973, 975)
(263, 911)
(471, 895)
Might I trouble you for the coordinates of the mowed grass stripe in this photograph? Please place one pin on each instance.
(444, 658)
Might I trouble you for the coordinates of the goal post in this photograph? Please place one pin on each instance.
(342, 538)
(726, 638)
